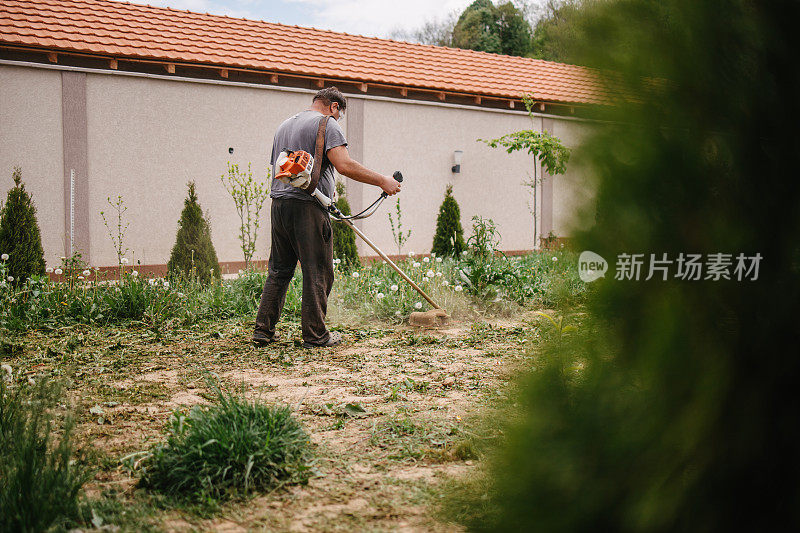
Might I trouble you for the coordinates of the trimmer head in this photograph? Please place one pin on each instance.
(430, 319)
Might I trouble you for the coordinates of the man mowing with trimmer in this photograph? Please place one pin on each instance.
(301, 227)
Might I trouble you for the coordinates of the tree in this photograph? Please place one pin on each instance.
(193, 254)
(20, 237)
(449, 236)
(248, 196)
(557, 30)
(498, 29)
(344, 238)
(437, 32)
(543, 146)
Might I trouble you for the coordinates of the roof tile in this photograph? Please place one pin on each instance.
(123, 29)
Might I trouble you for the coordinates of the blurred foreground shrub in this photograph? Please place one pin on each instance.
(680, 414)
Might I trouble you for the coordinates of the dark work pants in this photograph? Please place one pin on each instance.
(301, 231)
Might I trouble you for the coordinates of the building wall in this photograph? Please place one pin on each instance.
(573, 191)
(31, 138)
(148, 138)
(145, 138)
(420, 140)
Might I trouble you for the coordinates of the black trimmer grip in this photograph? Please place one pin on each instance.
(398, 176)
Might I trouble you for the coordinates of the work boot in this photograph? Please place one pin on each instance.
(262, 339)
(333, 339)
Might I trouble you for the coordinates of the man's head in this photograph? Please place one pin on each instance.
(330, 101)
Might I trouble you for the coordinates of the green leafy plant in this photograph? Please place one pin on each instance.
(232, 448)
(248, 196)
(449, 237)
(20, 239)
(41, 471)
(193, 254)
(544, 147)
(344, 238)
(399, 237)
(485, 268)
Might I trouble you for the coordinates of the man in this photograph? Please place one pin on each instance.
(301, 228)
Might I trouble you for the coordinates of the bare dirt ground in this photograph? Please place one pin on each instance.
(391, 413)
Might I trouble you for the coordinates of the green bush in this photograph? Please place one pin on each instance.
(678, 414)
(193, 254)
(344, 239)
(19, 234)
(41, 475)
(449, 237)
(229, 449)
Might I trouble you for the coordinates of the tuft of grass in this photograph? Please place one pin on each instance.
(232, 448)
(41, 475)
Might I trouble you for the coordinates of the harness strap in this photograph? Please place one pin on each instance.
(319, 149)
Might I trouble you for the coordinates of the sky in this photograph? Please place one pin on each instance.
(377, 18)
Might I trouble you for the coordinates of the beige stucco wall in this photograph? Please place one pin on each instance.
(573, 192)
(147, 138)
(31, 138)
(420, 140)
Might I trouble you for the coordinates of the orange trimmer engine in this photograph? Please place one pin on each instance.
(295, 168)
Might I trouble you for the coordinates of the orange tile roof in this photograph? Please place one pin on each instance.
(124, 30)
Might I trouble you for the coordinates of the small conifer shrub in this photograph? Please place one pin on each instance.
(449, 237)
(344, 239)
(193, 254)
(20, 238)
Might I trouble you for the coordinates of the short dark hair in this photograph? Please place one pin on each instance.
(329, 95)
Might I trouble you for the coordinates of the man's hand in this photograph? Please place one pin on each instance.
(390, 185)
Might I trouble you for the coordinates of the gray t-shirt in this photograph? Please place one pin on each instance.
(300, 133)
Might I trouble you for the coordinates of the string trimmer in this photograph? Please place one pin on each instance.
(297, 168)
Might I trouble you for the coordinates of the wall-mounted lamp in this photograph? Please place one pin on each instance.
(230, 150)
(457, 156)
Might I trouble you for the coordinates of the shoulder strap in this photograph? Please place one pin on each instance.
(319, 151)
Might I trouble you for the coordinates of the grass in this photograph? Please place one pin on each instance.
(233, 448)
(136, 376)
(41, 472)
(133, 365)
(465, 287)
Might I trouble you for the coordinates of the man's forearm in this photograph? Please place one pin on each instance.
(356, 171)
